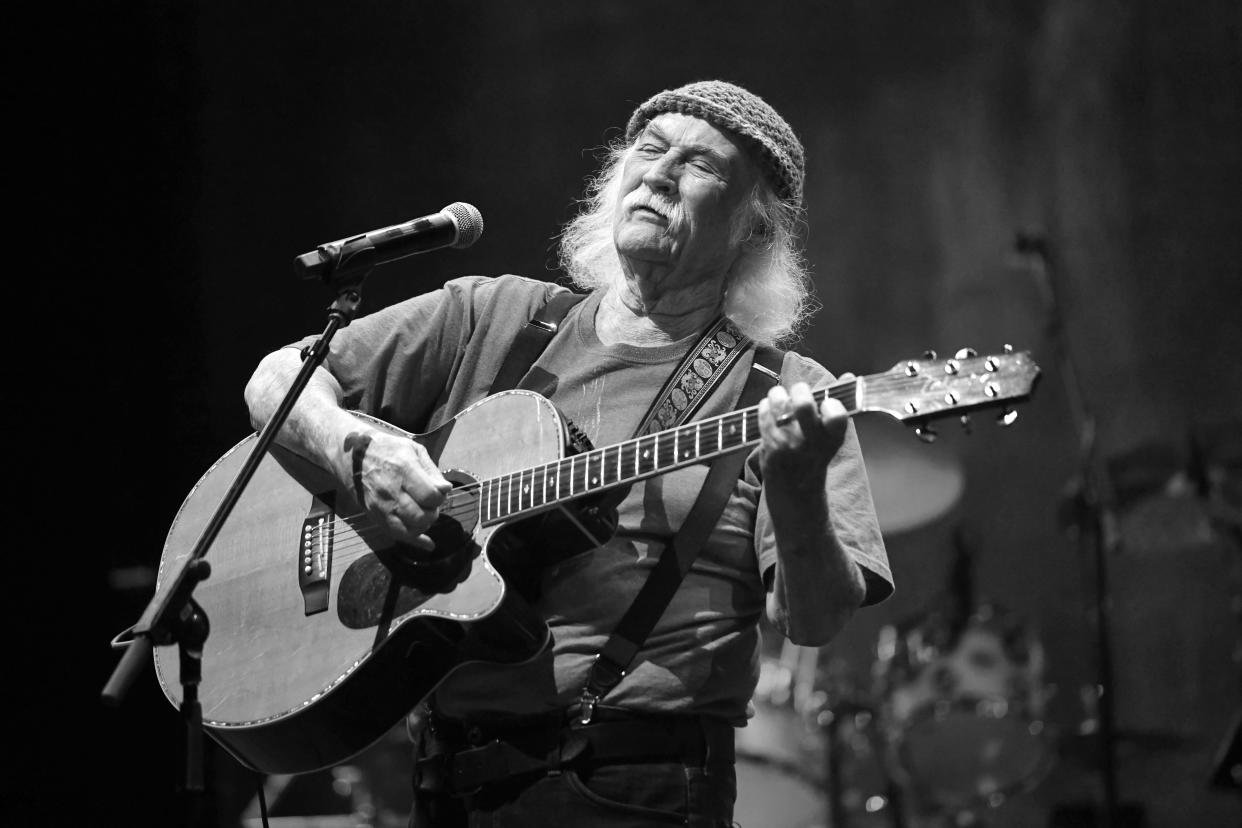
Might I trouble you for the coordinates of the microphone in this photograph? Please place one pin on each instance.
(457, 225)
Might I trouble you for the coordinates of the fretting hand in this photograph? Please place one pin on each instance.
(799, 437)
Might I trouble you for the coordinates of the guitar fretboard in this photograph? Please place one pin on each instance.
(539, 487)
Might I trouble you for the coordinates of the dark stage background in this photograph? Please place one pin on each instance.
(203, 145)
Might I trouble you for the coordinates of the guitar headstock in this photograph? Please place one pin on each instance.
(919, 390)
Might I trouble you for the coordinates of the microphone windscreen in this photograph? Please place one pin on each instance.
(469, 223)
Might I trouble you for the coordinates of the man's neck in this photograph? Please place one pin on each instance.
(628, 316)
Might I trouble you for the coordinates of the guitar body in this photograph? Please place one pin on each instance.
(316, 647)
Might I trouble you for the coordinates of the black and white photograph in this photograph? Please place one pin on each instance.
(627, 413)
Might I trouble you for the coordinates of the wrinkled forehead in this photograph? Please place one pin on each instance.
(678, 126)
(700, 136)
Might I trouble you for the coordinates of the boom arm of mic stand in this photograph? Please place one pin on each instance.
(157, 624)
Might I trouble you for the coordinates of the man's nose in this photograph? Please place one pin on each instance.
(662, 176)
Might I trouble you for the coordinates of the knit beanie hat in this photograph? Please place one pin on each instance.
(746, 116)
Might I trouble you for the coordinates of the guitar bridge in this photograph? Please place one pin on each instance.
(315, 553)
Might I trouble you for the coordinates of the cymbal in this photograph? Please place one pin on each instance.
(912, 483)
(1177, 493)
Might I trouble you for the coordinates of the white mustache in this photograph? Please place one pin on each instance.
(666, 207)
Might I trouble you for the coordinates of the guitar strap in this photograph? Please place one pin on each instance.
(532, 339)
(627, 639)
(700, 371)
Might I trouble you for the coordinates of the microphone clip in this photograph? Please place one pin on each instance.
(339, 264)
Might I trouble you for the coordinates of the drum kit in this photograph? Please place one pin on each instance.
(951, 726)
(950, 721)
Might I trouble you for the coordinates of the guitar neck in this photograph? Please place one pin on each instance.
(540, 487)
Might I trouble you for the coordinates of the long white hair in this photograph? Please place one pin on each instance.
(768, 291)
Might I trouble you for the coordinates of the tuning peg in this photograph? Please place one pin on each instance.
(925, 433)
(1007, 417)
(966, 353)
(929, 354)
(966, 425)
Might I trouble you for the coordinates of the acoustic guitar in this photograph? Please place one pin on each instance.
(323, 635)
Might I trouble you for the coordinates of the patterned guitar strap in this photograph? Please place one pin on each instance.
(698, 374)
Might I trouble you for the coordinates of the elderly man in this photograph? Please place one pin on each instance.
(686, 248)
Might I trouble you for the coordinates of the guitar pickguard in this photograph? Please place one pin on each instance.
(394, 580)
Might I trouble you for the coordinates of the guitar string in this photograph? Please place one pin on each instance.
(462, 503)
(471, 504)
(344, 524)
(696, 427)
(352, 538)
(839, 390)
(600, 456)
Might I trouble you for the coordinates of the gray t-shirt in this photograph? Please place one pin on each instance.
(417, 363)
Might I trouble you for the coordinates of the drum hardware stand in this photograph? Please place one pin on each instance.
(1226, 772)
(173, 615)
(1093, 513)
(838, 814)
(1227, 762)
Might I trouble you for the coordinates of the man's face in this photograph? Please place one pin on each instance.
(681, 186)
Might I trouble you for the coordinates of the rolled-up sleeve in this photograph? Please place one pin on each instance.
(850, 506)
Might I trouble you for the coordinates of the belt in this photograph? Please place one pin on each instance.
(463, 758)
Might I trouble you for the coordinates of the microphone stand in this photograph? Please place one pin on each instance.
(1095, 516)
(173, 616)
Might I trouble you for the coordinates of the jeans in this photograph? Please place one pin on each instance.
(607, 796)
